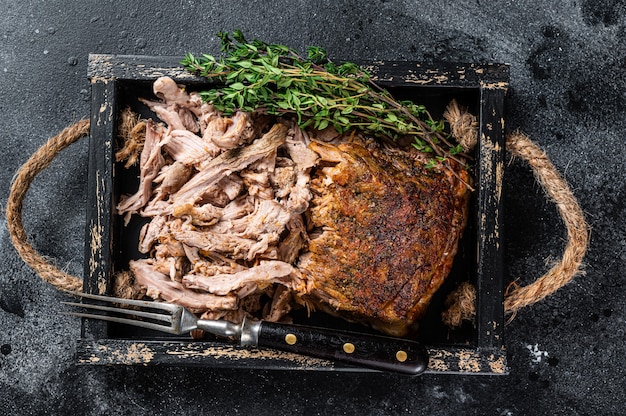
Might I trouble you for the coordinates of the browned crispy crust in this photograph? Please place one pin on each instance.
(388, 232)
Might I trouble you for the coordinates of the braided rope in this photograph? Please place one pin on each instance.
(461, 302)
(39, 161)
(559, 193)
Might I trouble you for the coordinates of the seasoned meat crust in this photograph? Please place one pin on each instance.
(388, 232)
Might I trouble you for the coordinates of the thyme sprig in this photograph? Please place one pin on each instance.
(276, 80)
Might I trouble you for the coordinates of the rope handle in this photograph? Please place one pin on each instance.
(39, 161)
(558, 191)
(461, 302)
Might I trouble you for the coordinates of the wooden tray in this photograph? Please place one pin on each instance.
(117, 81)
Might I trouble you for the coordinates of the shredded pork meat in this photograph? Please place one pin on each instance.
(225, 198)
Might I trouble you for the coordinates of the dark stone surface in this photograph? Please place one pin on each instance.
(568, 83)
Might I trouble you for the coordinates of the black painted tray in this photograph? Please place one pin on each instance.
(117, 81)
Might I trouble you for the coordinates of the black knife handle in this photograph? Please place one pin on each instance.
(372, 351)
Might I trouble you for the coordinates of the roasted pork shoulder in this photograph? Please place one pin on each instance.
(385, 232)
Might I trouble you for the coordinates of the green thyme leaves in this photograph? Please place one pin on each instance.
(274, 79)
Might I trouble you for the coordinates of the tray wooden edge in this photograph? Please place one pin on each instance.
(449, 360)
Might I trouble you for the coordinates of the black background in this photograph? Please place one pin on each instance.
(568, 83)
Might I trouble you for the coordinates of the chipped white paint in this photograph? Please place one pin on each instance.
(536, 355)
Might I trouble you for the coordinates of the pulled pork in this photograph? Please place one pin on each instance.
(225, 198)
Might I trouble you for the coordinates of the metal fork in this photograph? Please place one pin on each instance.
(365, 350)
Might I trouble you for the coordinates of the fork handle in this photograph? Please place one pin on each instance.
(371, 351)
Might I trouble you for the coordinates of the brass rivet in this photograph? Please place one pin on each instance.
(348, 348)
(291, 339)
(401, 356)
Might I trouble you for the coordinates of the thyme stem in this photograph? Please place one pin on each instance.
(274, 79)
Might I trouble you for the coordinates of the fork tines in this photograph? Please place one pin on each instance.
(163, 312)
